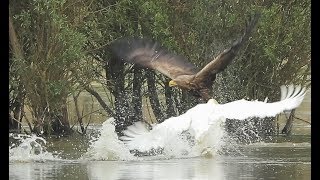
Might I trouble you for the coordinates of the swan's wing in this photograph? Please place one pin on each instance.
(139, 137)
(291, 98)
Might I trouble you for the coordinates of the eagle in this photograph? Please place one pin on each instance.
(203, 119)
(183, 74)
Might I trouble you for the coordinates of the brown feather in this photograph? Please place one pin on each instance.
(219, 63)
(150, 54)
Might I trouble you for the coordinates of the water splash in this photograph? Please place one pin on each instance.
(107, 146)
(28, 148)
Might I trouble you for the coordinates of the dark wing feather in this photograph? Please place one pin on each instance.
(224, 59)
(150, 54)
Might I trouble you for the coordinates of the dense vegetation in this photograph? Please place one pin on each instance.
(59, 47)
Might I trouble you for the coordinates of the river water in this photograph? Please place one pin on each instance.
(100, 157)
(260, 162)
(74, 158)
(280, 161)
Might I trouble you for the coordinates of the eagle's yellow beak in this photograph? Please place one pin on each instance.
(172, 83)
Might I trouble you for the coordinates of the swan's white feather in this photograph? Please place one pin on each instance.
(198, 119)
(243, 109)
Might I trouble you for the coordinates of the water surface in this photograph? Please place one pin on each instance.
(273, 160)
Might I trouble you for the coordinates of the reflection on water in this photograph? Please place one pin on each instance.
(282, 158)
(285, 157)
(197, 168)
(260, 160)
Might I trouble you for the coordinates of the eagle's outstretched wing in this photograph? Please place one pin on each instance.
(150, 54)
(219, 63)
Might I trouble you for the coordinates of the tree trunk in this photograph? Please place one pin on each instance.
(136, 94)
(100, 100)
(60, 122)
(51, 120)
(18, 102)
(123, 111)
(187, 101)
(288, 127)
(153, 96)
(79, 116)
(16, 108)
(169, 101)
(15, 45)
(13, 124)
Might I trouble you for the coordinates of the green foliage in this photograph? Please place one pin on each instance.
(62, 41)
(53, 55)
(272, 57)
(275, 55)
(53, 47)
(114, 19)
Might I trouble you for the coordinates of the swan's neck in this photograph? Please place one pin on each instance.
(212, 101)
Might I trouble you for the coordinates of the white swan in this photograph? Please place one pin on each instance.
(198, 121)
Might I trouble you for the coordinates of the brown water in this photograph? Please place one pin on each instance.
(259, 162)
(281, 158)
(197, 168)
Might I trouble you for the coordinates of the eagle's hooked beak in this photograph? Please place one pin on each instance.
(172, 83)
